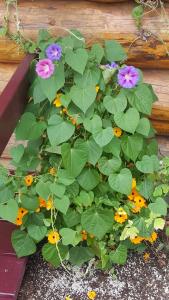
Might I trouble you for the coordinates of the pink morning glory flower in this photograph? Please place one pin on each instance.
(128, 77)
(45, 68)
(54, 52)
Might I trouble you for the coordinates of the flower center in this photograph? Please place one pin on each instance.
(46, 68)
(127, 77)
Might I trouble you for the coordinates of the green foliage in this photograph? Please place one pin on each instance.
(80, 255)
(127, 121)
(137, 14)
(51, 254)
(97, 221)
(120, 255)
(114, 51)
(121, 182)
(88, 140)
(22, 243)
(148, 164)
(9, 210)
(159, 207)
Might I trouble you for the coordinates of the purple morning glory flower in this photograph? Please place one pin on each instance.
(54, 52)
(113, 65)
(45, 68)
(128, 77)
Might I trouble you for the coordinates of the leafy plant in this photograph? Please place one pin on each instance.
(86, 181)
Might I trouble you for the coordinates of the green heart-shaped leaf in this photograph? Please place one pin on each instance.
(83, 97)
(121, 182)
(77, 60)
(74, 159)
(148, 164)
(127, 121)
(159, 207)
(103, 136)
(59, 130)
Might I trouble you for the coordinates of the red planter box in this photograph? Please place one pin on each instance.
(12, 103)
(11, 268)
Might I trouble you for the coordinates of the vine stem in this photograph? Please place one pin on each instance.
(53, 219)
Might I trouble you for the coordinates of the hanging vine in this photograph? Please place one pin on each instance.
(144, 8)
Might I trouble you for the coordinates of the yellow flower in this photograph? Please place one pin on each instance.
(42, 202)
(120, 216)
(57, 101)
(146, 256)
(97, 88)
(84, 235)
(68, 298)
(133, 183)
(18, 220)
(38, 209)
(52, 171)
(139, 201)
(22, 211)
(49, 204)
(136, 209)
(152, 238)
(53, 237)
(133, 194)
(137, 240)
(91, 295)
(117, 131)
(28, 180)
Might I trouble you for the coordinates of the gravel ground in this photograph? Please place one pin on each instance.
(137, 280)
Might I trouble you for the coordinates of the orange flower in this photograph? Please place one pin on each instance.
(22, 211)
(139, 201)
(84, 235)
(91, 295)
(146, 256)
(117, 131)
(42, 202)
(53, 237)
(120, 216)
(136, 209)
(136, 240)
(18, 220)
(152, 238)
(133, 194)
(57, 101)
(28, 180)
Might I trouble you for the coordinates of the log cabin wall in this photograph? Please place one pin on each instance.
(98, 20)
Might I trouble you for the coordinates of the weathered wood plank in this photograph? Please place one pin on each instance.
(97, 21)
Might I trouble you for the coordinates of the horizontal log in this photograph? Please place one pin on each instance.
(161, 127)
(97, 21)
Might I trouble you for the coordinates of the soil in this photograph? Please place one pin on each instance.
(137, 280)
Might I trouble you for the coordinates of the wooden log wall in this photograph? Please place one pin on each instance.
(98, 21)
